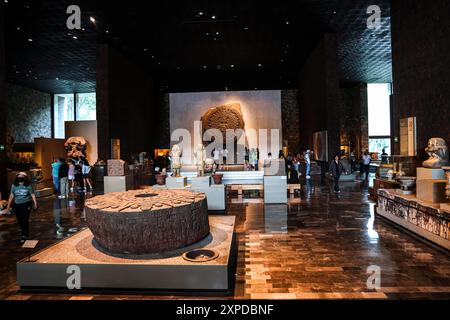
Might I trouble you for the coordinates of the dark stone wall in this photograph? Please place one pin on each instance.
(125, 104)
(355, 129)
(319, 96)
(28, 113)
(421, 68)
(290, 118)
(3, 161)
(161, 129)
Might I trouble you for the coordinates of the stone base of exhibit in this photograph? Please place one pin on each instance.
(117, 183)
(425, 219)
(427, 174)
(200, 182)
(275, 189)
(159, 271)
(215, 195)
(176, 182)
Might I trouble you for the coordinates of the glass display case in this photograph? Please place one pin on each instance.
(395, 166)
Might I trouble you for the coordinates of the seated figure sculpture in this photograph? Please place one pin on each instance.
(175, 154)
(200, 158)
(437, 149)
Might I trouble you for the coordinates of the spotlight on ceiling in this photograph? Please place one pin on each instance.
(200, 13)
(30, 40)
(92, 19)
(75, 37)
(213, 17)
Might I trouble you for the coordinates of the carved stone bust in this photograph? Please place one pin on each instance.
(76, 148)
(437, 149)
(175, 154)
(200, 157)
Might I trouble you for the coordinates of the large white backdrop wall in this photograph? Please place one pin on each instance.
(261, 110)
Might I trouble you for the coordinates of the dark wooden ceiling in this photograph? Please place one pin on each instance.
(193, 45)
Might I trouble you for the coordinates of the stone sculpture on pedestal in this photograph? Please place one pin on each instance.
(438, 151)
(76, 148)
(175, 154)
(200, 158)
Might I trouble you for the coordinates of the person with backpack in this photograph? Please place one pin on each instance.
(22, 201)
(86, 170)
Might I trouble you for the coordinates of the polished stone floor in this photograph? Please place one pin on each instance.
(319, 246)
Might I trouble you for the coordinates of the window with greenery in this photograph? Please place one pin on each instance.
(63, 111)
(379, 105)
(86, 106)
(72, 107)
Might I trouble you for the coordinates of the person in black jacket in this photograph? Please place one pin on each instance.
(336, 170)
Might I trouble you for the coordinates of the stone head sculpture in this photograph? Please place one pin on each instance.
(437, 149)
(76, 148)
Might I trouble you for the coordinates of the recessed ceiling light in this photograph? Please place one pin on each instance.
(287, 22)
(107, 31)
(75, 37)
(259, 65)
(204, 67)
(30, 40)
(213, 17)
(245, 28)
(145, 49)
(92, 19)
(200, 13)
(217, 32)
(18, 28)
(232, 65)
(334, 12)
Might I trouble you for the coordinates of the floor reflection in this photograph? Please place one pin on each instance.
(317, 246)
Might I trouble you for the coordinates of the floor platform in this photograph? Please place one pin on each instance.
(168, 271)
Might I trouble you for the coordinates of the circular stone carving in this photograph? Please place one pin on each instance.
(223, 117)
(147, 221)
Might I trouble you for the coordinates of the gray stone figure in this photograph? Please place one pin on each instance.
(438, 151)
(175, 155)
(200, 158)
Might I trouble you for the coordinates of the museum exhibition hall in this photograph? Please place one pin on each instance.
(225, 150)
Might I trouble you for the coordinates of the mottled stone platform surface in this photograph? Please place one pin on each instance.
(79, 249)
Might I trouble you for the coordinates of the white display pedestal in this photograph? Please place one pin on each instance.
(176, 182)
(427, 174)
(431, 190)
(215, 196)
(275, 189)
(201, 182)
(117, 183)
(445, 207)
